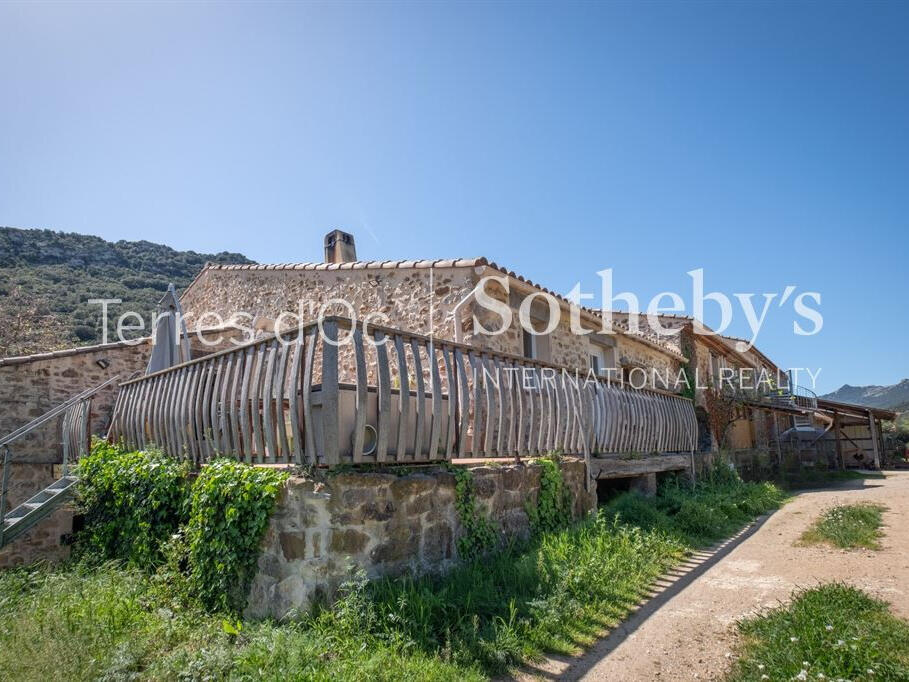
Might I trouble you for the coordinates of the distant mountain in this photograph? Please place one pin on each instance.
(895, 397)
(47, 278)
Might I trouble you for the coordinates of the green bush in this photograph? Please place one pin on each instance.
(553, 508)
(229, 511)
(203, 537)
(718, 505)
(133, 502)
(634, 509)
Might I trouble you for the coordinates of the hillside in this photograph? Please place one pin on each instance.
(47, 278)
(895, 397)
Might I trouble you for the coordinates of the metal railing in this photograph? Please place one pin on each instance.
(75, 414)
(333, 393)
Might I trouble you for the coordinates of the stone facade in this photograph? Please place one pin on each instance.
(421, 300)
(32, 385)
(407, 296)
(385, 524)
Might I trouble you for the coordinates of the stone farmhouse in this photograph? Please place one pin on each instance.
(435, 297)
(416, 385)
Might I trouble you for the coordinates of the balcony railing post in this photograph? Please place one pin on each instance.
(330, 391)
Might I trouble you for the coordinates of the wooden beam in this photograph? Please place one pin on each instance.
(615, 467)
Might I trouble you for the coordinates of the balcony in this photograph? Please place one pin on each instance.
(333, 393)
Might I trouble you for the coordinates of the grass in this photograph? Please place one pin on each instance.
(556, 593)
(848, 526)
(833, 632)
(109, 622)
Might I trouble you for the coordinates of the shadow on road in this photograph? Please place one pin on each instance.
(665, 588)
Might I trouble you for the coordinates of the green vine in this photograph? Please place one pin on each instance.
(229, 511)
(132, 502)
(689, 369)
(478, 536)
(553, 508)
(203, 537)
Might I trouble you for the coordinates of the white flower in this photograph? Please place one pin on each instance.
(760, 666)
(793, 639)
(840, 642)
(821, 676)
(829, 628)
(765, 677)
(870, 671)
(802, 675)
(805, 664)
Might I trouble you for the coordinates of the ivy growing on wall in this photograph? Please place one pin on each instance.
(689, 369)
(229, 511)
(140, 507)
(478, 535)
(132, 501)
(553, 508)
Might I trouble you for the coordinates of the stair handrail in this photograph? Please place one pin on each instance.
(86, 395)
(4, 488)
(54, 412)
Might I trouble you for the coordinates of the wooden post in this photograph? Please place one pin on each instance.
(839, 441)
(874, 440)
(330, 391)
(776, 437)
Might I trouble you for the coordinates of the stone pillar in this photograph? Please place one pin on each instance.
(646, 484)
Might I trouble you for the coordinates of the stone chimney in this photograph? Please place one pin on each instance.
(340, 247)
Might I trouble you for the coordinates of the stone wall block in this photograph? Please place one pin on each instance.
(410, 486)
(438, 543)
(348, 541)
(384, 525)
(402, 543)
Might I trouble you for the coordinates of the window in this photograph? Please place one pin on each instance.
(530, 344)
(602, 358)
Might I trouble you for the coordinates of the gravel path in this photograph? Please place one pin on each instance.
(687, 630)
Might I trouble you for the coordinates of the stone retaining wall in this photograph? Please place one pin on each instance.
(385, 524)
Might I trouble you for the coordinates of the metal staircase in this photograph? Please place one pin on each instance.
(36, 508)
(75, 431)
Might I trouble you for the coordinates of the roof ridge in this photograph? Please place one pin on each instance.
(355, 265)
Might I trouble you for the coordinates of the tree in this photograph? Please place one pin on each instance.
(722, 411)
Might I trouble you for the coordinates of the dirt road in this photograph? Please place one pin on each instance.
(687, 631)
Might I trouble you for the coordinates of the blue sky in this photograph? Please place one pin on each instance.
(767, 143)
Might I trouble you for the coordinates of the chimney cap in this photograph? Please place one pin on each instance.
(340, 247)
(338, 236)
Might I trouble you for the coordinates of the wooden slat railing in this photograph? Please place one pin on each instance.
(308, 396)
